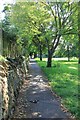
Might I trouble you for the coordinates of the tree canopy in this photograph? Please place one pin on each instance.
(44, 25)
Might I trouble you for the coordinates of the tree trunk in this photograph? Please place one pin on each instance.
(79, 31)
(35, 54)
(40, 53)
(79, 50)
(68, 53)
(51, 50)
(49, 61)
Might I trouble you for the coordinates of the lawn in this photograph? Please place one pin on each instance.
(63, 78)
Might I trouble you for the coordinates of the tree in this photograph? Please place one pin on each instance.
(71, 45)
(79, 30)
(62, 25)
(31, 23)
(9, 33)
(44, 24)
(41, 23)
(21, 21)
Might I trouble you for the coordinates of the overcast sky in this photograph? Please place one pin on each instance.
(2, 2)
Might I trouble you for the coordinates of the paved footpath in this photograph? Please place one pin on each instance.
(36, 100)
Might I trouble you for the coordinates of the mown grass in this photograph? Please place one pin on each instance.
(63, 78)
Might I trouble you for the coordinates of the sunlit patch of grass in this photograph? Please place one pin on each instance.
(64, 81)
(72, 67)
(2, 58)
(38, 59)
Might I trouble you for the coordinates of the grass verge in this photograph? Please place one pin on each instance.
(63, 78)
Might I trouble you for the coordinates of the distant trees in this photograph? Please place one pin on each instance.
(67, 50)
(68, 47)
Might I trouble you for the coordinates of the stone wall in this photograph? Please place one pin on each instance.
(11, 79)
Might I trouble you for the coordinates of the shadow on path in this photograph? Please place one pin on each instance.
(36, 99)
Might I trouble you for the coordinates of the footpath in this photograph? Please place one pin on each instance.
(36, 100)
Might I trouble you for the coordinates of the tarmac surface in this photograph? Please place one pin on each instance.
(36, 99)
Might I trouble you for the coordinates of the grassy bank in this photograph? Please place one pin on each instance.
(63, 78)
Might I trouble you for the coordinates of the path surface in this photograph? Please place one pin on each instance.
(36, 99)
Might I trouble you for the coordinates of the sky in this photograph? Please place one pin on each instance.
(2, 2)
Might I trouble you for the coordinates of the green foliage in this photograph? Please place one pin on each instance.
(9, 33)
(31, 19)
(41, 24)
(79, 31)
(72, 43)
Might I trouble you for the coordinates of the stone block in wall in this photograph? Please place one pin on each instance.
(0, 99)
(11, 80)
(4, 88)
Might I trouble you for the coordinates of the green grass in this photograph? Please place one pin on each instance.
(63, 78)
(2, 58)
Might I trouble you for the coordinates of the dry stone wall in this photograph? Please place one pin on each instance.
(11, 80)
